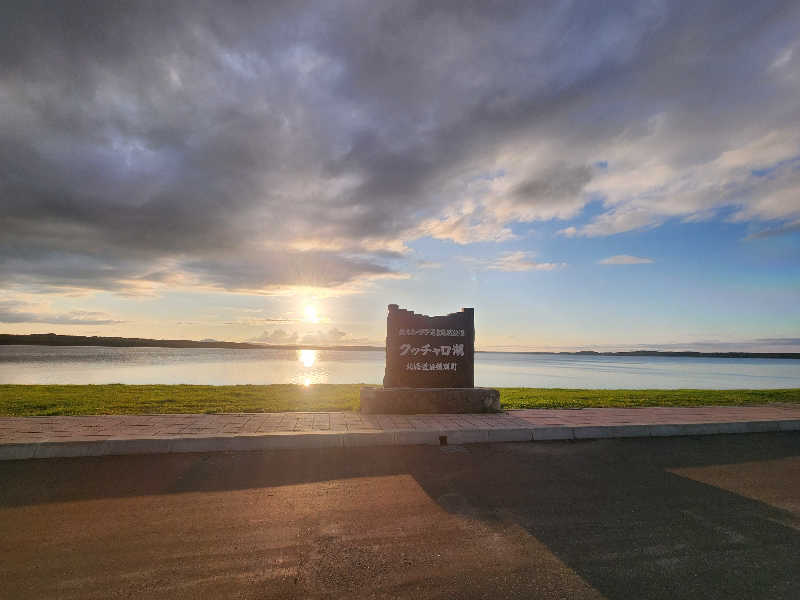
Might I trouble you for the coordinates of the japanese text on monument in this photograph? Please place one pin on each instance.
(423, 351)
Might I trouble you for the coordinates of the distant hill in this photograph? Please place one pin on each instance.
(52, 339)
(687, 353)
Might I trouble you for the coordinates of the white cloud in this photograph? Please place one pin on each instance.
(625, 259)
(277, 336)
(789, 227)
(617, 220)
(647, 183)
(520, 261)
(429, 264)
(322, 337)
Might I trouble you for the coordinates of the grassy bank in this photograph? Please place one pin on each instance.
(33, 400)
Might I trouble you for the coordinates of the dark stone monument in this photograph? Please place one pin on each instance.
(430, 366)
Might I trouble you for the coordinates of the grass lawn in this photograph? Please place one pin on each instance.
(33, 400)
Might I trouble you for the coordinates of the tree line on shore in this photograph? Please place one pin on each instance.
(53, 339)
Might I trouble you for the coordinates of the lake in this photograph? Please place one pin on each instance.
(220, 366)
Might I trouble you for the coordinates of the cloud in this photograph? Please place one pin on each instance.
(256, 147)
(277, 336)
(625, 259)
(428, 264)
(259, 270)
(791, 227)
(617, 220)
(259, 321)
(514, 262)
(16, 312)
(329, 337)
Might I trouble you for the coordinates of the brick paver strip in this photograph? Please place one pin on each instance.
(44, 437)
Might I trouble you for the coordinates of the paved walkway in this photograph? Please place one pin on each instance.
(46, 437)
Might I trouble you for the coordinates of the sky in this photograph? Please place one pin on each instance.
(607, 175)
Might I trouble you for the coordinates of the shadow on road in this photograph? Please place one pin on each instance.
(615, 512)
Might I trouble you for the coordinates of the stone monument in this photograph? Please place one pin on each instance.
(430, 367)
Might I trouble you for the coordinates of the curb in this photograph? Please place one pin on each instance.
(402, 437)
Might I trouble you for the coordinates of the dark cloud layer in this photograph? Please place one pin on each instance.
(253, 145)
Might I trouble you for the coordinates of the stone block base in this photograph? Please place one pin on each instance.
(375, 400)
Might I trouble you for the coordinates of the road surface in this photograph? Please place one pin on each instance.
(705, 517)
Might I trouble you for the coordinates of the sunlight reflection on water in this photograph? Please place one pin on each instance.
(307, 357)
(308, 373)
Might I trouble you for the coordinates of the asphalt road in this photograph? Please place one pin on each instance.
(708, 517)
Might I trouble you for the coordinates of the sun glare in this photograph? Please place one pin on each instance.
(311, 313)
(308, 357)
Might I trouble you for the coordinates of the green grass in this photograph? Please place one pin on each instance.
(49, 400)
(561, 398)
(117, 399)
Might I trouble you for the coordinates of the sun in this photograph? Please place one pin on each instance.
(311, 313)
(308, 357)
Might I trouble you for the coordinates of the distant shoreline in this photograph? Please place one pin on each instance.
(52, 339)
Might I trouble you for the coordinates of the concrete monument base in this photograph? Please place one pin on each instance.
(376, 400)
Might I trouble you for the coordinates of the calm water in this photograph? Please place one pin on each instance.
(43, 364)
